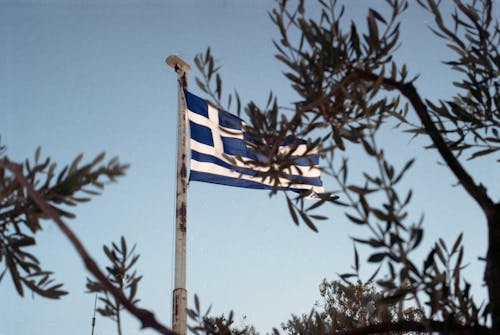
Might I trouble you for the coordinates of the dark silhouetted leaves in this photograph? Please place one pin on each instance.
(21, 219)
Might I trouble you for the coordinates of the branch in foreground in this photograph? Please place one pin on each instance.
(146, 317)
(414, 326)
(477, 192)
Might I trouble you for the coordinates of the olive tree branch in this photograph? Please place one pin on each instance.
(415, 326)
(146, 317)
(477, 192)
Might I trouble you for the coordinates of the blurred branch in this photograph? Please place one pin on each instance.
(477, 192)
(406, 326)
(146, 317)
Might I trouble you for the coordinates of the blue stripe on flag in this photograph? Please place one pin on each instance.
(237, 182)
(205, 158)
(234, 146)
(196, 104)
(201, 157)
(222, 180)
(201, 134)
(230, 121)
(306, 161)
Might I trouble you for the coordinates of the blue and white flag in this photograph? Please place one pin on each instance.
(220, 153)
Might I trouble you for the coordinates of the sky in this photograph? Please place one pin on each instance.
(89, 76)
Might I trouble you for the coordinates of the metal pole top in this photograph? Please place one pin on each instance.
(180, 66)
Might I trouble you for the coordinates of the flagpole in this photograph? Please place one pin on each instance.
(179, 301)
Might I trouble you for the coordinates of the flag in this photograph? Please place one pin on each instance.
(221, 154)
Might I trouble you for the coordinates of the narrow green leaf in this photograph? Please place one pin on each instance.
(14, 273)
(197, 304)
(75, 163)
(483, 152)
(374, 274)
(417, 238)
(356, 260)
(457, 243)
(440, 254)
(377, 257)
(368, 148)
(37, 154)
(380, 215)
(355, 219)
(443, 245)
(429, 260)
(377, 15)
(218, 89)
(308, 221)
(316, 204)
(318, 217)
(403, 171)
(292, 211)
(345, 277)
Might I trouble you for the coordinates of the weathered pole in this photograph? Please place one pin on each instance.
(179, 302)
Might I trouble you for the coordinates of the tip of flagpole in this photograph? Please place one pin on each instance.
(178, 64)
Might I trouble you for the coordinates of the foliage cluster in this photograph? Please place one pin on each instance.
(122, 275)
(350, 88)
(21, 218)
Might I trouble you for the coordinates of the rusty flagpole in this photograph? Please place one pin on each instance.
(179, 301)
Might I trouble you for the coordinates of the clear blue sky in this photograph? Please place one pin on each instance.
(89, 76)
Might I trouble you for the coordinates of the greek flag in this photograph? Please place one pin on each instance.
(218, 139)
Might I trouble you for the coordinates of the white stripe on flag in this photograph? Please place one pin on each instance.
(220, 170)
(305, 171)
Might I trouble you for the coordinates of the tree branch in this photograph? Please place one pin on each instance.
(477, 192)
(146, 318)
(302, 109)
(16, 211)
(415, 326)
